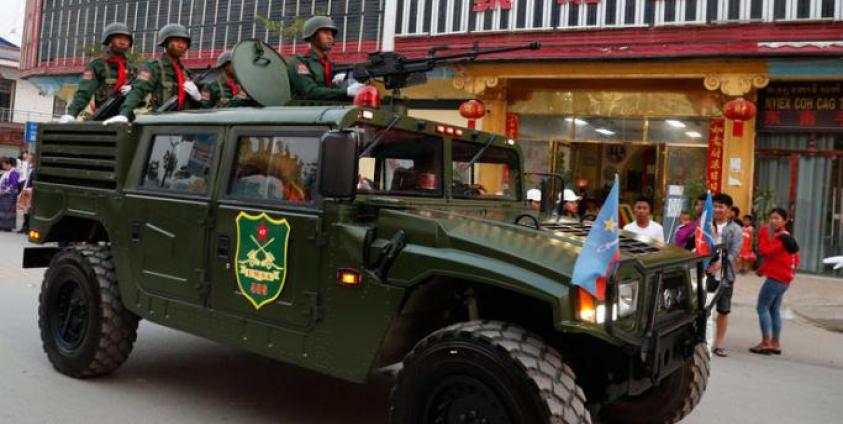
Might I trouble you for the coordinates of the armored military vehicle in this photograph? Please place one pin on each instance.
(344, 239)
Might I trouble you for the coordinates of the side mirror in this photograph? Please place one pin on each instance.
(338, 165)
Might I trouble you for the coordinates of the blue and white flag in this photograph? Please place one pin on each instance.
(703, 242)
(601, 249)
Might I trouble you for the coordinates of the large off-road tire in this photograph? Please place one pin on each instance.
(486, 372)
(85, 329)
(670, 401)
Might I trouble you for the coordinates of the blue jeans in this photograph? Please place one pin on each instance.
(769, 307)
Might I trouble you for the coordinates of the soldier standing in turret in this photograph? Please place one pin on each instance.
(107, 74)
(225, 90)
(310, 75)
(162, 78)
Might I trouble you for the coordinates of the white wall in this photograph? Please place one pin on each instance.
(29, 104)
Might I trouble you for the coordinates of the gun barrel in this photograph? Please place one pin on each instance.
(535, 45)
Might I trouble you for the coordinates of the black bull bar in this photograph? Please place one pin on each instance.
(654, 343)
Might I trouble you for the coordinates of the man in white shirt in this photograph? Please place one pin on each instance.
(643, 224)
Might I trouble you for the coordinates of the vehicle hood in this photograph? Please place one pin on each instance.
(548, 252)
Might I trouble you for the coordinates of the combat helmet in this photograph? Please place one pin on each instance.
(224, 58)
(116, 28)
(172, 31)
(315, 23)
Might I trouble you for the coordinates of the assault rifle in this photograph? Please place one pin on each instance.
(170, 104)
(110, 107)
(397, 71)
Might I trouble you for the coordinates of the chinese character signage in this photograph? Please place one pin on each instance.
(714, 168)
(513, 124)
(801, 106)
(484, 5)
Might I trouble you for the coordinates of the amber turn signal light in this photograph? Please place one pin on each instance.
(34, 235)
(349, 277)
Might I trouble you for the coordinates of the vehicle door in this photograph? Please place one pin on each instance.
(267, 226)
(167, 205)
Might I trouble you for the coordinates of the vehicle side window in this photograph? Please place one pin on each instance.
(275, 168)
(180, 163)
(494, 175)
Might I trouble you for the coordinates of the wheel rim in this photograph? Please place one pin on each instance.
(70, 320)
(463, 399)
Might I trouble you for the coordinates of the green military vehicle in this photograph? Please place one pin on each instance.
(345, 239)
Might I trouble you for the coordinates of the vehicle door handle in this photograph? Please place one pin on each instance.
(223, 247)
(135, 231)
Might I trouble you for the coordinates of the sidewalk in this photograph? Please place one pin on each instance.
(818, 299)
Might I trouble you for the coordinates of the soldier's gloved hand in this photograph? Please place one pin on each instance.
(66, 119)
(192, 91)
(338, 79)
(119, 119)
(124, 90)
(354, 88)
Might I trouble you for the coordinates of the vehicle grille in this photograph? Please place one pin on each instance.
(78, 155)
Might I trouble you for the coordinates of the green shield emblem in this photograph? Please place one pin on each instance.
(261, 261)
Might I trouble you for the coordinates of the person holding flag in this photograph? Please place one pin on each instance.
(601, 249)
(726, 232)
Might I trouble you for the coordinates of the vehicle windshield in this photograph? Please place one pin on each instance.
(495, 175)
(403, 163)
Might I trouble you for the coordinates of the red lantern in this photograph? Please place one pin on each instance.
(472, 110)
(739, 110)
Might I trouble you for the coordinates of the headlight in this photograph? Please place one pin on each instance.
(627, 298)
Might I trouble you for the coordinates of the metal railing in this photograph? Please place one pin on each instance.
(447, 17)
(23, 116)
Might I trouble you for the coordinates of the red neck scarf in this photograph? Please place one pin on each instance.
(326, 65)
(179, 78)
(121, 70)
(232, 86)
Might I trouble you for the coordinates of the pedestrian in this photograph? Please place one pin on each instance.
(735, 214)
(747, 256)
(25, 202)
(644, 224)
(225, 90)
(568, 206)
(8, 195)
(779, 251)
(311, 75)
(106, 75)
(534, 198)
(162, 78)
(730, 235)
(24, 168)
(685, 233)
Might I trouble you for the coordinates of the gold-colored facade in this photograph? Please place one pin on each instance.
(646, 121)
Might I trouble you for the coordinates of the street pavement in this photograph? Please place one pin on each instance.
(172, 377)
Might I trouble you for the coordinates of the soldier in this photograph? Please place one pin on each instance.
(106, 75)
(163, 77)
(225, 90)
(310, 75)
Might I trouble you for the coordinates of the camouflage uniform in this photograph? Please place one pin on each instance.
(156, 78)
(99, 80)
(221, 93)
(308, 79)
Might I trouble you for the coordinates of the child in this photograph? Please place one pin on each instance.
(747, 257)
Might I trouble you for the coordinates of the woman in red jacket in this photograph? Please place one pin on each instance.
(780, 259)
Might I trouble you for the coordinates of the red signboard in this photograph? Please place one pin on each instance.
(714, 168)
(513, 124)
(484, 5)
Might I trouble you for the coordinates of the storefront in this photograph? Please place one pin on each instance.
(800, 163)
(647, 122)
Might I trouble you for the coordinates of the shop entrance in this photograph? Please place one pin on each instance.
(803, 173)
